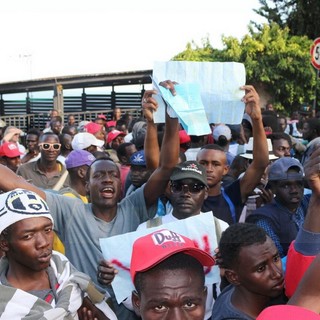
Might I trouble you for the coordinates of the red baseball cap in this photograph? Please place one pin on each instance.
(10, 150)
(150, 250)
(102, 116)
(111, 123)
(184, 137)
(287, 312)
(92, 127)
(113, 134)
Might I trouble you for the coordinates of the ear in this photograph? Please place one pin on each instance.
(206, 193)
(4, 245)
(87, 187)
(82, 172)
(232, 277)
(135, 299)
(225, 170)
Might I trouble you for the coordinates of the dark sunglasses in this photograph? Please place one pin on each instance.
(192, 187)
(48, 146)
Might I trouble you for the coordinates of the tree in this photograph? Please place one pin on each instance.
(300, 16)
(274, 60)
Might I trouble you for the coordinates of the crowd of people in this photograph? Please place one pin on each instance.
(66, 186)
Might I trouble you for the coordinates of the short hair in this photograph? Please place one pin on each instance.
(106, 158)
(212, 146)
(178, 261)
(121, 151)
(47, 134)
(237, 236)
(314, 125)
(279, 136)
(34, 131)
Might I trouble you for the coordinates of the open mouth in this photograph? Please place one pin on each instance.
(107, 192)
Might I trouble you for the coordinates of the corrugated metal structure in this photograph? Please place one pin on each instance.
(32, 112)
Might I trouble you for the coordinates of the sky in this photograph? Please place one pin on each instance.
(48, 38)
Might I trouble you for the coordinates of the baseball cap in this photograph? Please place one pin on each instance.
(83, 140)
(221, 130)
(82, 124)
(113, 134)
(184, 137)
(77, 158)
(190, 170)
(2, 123)
(92, 127)
(153, 248)
(138, 158)
(10, 150)
(139, 130)
(287, 312)
(111, 123)
(102, 116)
(20, 204)
(279, 169)
(249, 150)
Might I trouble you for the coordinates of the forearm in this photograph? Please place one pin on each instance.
(260, 146)
(9, 181)
(169, 154)
(312, 220)
(151, 146)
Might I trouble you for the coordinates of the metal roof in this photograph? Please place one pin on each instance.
(78, 81)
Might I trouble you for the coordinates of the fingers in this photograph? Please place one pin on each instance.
(106, 272)
(169, 84)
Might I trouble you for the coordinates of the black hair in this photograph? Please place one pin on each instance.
(279, 136)
(178, 261)
(121, 151)
(314, 125)
(34, 131)
(212, 147)
(237, 236)
(105, 158)
(47, 134)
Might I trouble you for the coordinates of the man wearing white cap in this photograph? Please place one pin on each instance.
(36, 281)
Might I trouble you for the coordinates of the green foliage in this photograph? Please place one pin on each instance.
(274, 60)
(300, 16)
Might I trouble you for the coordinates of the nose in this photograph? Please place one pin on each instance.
(185, 189)
(42, 240)
(175, 314)
(275, 271)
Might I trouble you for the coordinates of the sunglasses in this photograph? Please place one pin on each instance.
(190, 187)
(48, 146)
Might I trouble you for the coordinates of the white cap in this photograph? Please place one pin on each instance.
(84, 140)
(221, 130)
(21, 204)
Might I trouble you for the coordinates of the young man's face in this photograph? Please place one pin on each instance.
(139, 175)
(29, 244)
(104, 183)
(13, 163)
(215, 162)
(259, 269)
(288, 192)
(51, 154)
(186, 197)
(171, 294)
(281, 148)
(32, 142)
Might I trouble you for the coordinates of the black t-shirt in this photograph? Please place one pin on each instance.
(220, 206)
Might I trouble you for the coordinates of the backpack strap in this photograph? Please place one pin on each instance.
(230, 204)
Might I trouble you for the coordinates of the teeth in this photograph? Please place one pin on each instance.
(107, 189)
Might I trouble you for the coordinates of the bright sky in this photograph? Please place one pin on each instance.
(42, 38)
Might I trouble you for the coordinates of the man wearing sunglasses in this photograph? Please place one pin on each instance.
(46, 171)
(188, 190)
